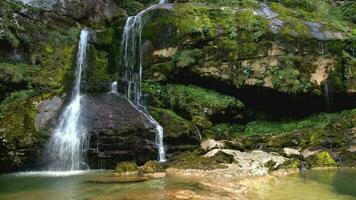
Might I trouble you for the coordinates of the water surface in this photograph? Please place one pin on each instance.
(84, 185)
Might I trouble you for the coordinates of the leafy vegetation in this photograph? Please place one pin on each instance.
(263, 127)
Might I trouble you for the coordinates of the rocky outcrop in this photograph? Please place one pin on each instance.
(48, 111)
(257, 161)
(117, 130)
(210, 144)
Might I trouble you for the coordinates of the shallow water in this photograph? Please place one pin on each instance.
(312, 185)
(85, 186)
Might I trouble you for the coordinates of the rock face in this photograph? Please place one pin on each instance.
(118, 132)
(210, 144)
(257, 161)
(48, 111)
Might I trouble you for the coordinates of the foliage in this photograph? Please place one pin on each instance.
(312, 124)
(199, 101)
(186, 58)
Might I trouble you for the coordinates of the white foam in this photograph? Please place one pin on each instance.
(53, 173)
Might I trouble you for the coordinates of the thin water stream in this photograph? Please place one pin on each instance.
(132, 61)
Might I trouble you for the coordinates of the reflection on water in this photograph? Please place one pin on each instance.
(312, 185)
(88, 186)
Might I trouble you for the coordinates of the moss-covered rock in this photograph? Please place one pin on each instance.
(98, 76)
(291, 164)
(152, 167)
(193, 160)
(321, 159)
(124, 167)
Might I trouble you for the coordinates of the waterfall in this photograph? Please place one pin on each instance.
(113, 88)
(68, 142)
(131, 62)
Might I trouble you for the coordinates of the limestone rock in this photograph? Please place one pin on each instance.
(352, 148)
(291, 152)
(306, 152)
(210, 144)
(256, 161)
(48, 111)
(321, 159)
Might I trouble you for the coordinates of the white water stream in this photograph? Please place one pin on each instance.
(132, 55)
(68, 142)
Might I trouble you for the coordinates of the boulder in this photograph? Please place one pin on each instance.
(257, 161)
(210, 144)
(48, 111)
(152, 167)
(125, 167)
(321, 159)
(118, 131)
(291, 152)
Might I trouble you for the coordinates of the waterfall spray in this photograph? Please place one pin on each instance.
(68, 142)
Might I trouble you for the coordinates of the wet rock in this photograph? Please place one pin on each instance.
(125, 167)
(306, 152)
(210, 144)
(152, 167)
(315, 30)
(179, 134)
(291, 152)
(48, 111)
(118, 132)
(321, 159)
(257, 161)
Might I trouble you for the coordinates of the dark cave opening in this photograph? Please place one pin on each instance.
(275, 104)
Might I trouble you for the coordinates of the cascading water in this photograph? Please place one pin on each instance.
(132, 53)
(68, 141)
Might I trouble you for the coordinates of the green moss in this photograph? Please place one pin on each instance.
(222, 157)
(173, 124)
(291, 164)
(152, 167)
(97, 72)
(163, 71)
(186, 58)
(229, 3)
(334, 17)
(192, 160)
(197, 101)
(321, 159)
(15, 77)
(157, 93)
(126, 166)
(226, 131)
(194, 22)
(104, 38)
